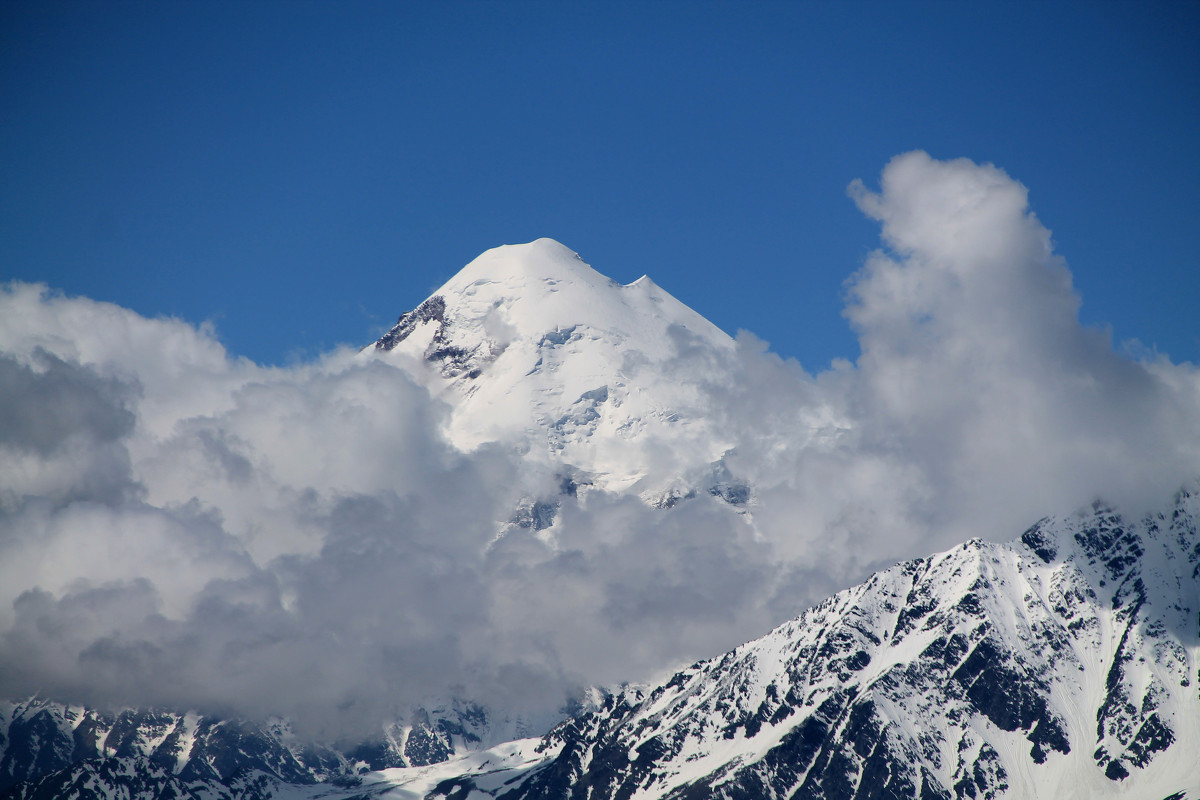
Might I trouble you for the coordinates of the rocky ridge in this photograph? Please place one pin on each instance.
(46, 748)
(1063, 664)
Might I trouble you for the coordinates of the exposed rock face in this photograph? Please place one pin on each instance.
(432, 310)
(49, 747)
(50, 750)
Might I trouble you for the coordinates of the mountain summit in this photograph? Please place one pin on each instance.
(532, 347)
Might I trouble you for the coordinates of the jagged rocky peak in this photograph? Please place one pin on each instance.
(1062, 664)
(49, 750)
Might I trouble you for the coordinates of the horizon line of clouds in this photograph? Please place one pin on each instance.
(181, 527)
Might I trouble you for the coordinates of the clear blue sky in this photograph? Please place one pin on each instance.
(301, 173)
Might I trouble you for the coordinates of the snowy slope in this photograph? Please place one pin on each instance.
(533, 348)
(1063, 665)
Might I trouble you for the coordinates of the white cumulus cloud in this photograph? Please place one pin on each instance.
(183, 528)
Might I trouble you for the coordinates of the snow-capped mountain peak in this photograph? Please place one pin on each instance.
(528, 290)
(533, 348)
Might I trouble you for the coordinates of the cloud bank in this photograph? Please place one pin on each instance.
(182, 528)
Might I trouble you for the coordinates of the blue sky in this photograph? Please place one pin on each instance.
(301, 173)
